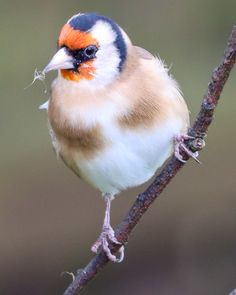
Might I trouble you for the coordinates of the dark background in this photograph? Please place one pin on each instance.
(186, 243)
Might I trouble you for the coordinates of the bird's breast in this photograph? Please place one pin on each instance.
(116, 138)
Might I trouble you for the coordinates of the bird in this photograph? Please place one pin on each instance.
(115, 114)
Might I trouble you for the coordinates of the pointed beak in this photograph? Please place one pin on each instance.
(61, 60)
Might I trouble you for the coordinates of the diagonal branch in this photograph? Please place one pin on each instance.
(145, 199)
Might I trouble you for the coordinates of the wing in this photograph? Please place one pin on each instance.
(143, 53)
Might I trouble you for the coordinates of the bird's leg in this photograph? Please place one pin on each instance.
(180, 145)
(107, 235)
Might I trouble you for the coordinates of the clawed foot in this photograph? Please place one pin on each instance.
(103, 242)
(180, 145)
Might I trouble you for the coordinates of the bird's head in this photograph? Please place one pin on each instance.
(91, 48)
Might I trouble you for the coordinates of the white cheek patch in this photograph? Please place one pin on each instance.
(107, 65)
(107, 58)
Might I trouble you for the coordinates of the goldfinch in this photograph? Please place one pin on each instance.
(115, 114)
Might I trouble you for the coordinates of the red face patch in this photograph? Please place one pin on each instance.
(75, 39)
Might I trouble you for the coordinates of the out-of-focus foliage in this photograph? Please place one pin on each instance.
(186, 243)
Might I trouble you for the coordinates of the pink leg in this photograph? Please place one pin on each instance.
(180, 144)
(107, 235)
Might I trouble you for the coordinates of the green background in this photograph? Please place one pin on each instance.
(186, 243)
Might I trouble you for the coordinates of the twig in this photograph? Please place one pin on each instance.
(145, 199)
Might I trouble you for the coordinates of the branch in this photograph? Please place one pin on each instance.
(145, 199)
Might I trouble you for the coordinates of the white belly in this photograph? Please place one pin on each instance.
(131, 158)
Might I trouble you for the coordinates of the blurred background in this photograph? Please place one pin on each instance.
(186, 243)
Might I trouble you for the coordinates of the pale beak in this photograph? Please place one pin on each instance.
(61, 60)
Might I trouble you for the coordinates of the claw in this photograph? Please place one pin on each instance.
(103, 242)
(180, 144)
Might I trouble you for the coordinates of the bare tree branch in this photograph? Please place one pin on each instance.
(145, 199)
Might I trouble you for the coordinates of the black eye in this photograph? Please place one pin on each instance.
(90, 51)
